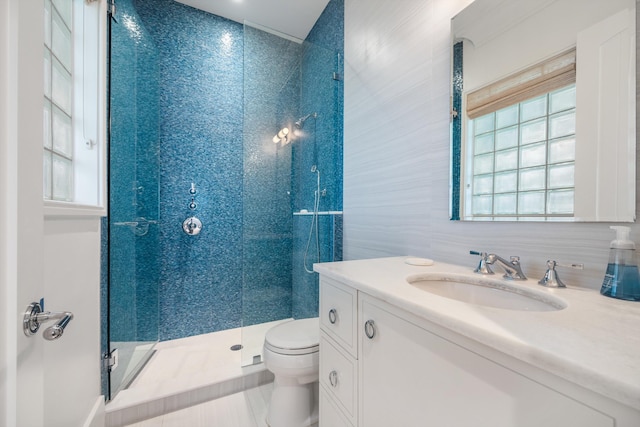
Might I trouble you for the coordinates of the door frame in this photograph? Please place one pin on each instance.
(21, 210)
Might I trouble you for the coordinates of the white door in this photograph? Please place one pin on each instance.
(21, 216)
(42, 383)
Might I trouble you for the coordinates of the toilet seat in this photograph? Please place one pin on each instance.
(295, 337)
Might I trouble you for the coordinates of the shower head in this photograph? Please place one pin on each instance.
(314, 168)
(299, 124)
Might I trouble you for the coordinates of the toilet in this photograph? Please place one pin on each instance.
(291, 353)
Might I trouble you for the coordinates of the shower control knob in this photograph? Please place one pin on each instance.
(192, 226)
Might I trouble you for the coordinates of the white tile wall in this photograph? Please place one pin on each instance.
(396, 152)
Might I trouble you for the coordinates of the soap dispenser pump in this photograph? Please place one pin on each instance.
(622, 279)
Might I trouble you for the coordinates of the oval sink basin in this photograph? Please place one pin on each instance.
(487, 292)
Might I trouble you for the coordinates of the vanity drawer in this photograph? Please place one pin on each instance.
(338, 313)
(330, 415)
(338, 376)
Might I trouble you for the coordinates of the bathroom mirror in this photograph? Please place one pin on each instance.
(543, 111)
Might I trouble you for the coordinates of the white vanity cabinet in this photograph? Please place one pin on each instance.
(338, 354)
(393, 368)
(410, 376)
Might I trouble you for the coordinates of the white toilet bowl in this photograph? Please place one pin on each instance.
(291, 354)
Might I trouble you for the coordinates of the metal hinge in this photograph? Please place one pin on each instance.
(111, 8)
(110, 360)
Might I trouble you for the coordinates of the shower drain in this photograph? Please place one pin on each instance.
(236, 347)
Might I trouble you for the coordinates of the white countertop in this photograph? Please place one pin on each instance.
(594, 342)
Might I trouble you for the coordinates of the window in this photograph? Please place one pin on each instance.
(523, 159)
(58, 134)
(520, 145)
(73, 157)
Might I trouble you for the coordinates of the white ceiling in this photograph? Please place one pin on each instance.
(290, 17)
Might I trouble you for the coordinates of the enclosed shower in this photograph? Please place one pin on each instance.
(196, 106)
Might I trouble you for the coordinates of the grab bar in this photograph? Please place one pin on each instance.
(127, 223)
(140, 226)
(139, 222)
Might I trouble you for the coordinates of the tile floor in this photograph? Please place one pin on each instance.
(244, 409)
(186, 358)
(184, 376)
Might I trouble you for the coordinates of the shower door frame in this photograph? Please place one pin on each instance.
(113, 357)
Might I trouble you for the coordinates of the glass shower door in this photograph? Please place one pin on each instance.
(133, 237)
(133, 297)
(293, 86)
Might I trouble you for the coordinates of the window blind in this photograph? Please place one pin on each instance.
(543, 77)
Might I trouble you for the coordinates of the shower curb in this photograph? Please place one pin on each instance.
(144, 409)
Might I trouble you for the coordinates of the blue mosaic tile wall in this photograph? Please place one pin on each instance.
(122, 158)
(205, 86)
(200, 107)
(104, 297)
(322, 68)
(271, 85)
(321, 143)
(305, 289)
(456, 130)
(285, 81)
(134, 179)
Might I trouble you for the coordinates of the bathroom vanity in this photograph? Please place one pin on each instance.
(394, 352)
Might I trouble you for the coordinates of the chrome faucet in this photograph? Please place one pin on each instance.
(551, 278)
(483, 267)
(512, 269)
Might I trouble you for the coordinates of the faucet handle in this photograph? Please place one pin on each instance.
(551, 278)
(483, 267)
(515, 259)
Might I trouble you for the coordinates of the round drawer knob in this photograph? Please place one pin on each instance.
(370, 329)
(333, 378)
(333, 316)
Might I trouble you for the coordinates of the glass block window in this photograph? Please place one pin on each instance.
(523, 159)
(57, 110)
